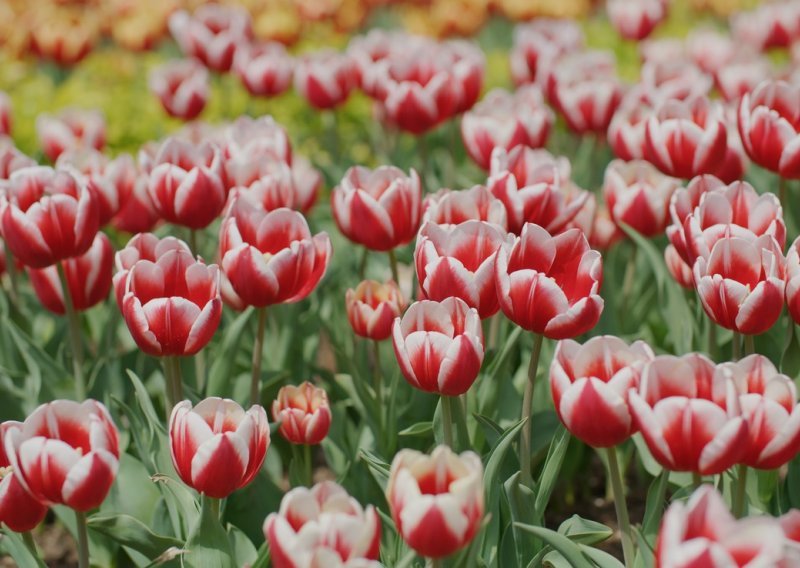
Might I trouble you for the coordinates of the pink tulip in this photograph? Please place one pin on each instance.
(265, 69)
(447, 207)
(325, 78)
(212, 33)
(636, 19)
(181, 86)
(303, 413)
(19, 511)
(372, 308)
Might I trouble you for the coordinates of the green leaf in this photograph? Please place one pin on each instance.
(244, 553)
(224, 365)
(654, 506)
(208, 545)
(491, 481)
(601, 558)
(569, 550)
(379, 468)
(133, 533)
(491, 429)
(520, 502)
(551, 470)
(418, 429)
(584, 531)
(15, 546)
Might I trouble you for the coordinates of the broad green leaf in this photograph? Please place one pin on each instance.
(601, 558)
(208, 545)
(654, 506)
(491, 481)
(584, 531)
(520, 502)
(224, 365)
(133, 533)
(244, 553)
(550, 471)
(418, 429)
(15, 546)
(378, 468)
(569, 550)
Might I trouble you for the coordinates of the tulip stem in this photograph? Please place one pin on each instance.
(621, 506)
(736, 346)
(172, 374)
(527, 410)
(258, 352)
(362, 266)
(11, 269)
(697, 479)
(393, 265)
(447, 421)
(74, 332)
(378, 386)
(193, 242)
(629, 279)
(309, 465)
(83, 539)
(740, 497)
(27, 538)
(214, 505)
(435, 563)
(749, 345)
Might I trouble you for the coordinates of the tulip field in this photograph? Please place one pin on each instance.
(400, 283)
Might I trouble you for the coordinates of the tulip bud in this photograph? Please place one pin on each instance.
(447, 207)
(439, 346)
(265, 69)
(250, 147)
(323, 526)
(65, 453)
(436, 501)
(19, 511)
(325, 78)
(137, 214)
(539, 43)
(636, 19)
(11, 159)
(181, 86)
(5, 114)
(212, 33)
(216, 446)
(372, 308)
(303, 413)
(71, 129)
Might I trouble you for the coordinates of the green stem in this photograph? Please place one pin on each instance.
(629, 279)
(27, 538)
(215, 505)
(362, 266)
(459, 412)
(378, 376)
(749, 345)
(11, 269)
(740, 497)
(697, 479)
(258, 353)
(436, 563)
(393, 265)
(447, 421)
(736, 346)
(527, 410)
(83, 539)
(193, 242)
(712, 339)
(172, 374)
(309, 465)
(73, 321)
(621, 506)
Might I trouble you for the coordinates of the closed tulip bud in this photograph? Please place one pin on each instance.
(137, 214)
(769, 125)
(703, 532)
(590, 385)
(307, 184)
(689, 415)
(325, 78)
(769, 404)
(5, 114)
(303, 413)
(418, 107)
(323, 526)
(186, 183)
(588, 104)
(172, 305)
(65, 453)
(250, 147)
(677, 267)
(458, 261)
(70, 129)
(626, 130)
(88, 278)
(63, 40)
(447, 207)
(682, 204)
(19, 511)
(181, 86)
(793, 280)
(111, 182)
(636, 19)
(265, 69)
(506, 120)
(710, 49)
(436, 501)
(47, 216)
(439, 346)
(741, 283)
(742, 76)
(270, 257)
(539, 43)
(673, 79)
(467, 65)
(638, 195)
(662, 50)
(372, 308)
(274, 188)
(379, 208)
(773, 25)
(686, 138)
(550, 284)
(212, 33)
(11, 159)
(216, 446)
(576, 67)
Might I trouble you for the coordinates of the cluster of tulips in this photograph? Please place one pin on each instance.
(522, 251)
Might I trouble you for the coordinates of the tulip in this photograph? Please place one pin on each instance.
(138, 214)
(793, 280)
(5, 114)
(576, 67)
(458, 261)
(447, 207)
(172, 305)
(186, 183)
(742, 76)
(506, 120)
(663, 50)
(19, 511)
(181, 86)
(550, 284)
(111, 182)
(686, 138)
(72, 128)
(677, 267)
(689, 415)
(702, 532)
(769, 405)
(419, 107)
(63, 40)
(11, 159)
(769, 125)
(65, 453)
(323, 526)
(672, 79)
(88, 277)
(379, 208)
(212, 33)
(325, 78)
(768, 26)
(590, 385)
(710, 49)
(47, 216)
(250, 145)
(539, 43)
(741, 283)
(635, 20)
(588, 103)
(265, 69)
(533, 185)
(638, 195)
(216, 446)
(436, 501)
(372, 308)
(626, 131)
(439, 346)
(307, 184)
(303, 413)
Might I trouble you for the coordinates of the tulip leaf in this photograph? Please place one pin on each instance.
(208, 545)
(418, 429)
(551, 470)
(569, 550)
(520, 498)
(600, 558)
(14, 545)
(131, 532)
(654, 505)
(377, 467)
(224, 365)
(244, 552)
(491, 481)
(585, 531)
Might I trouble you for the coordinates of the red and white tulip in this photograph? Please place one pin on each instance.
(303, 413)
